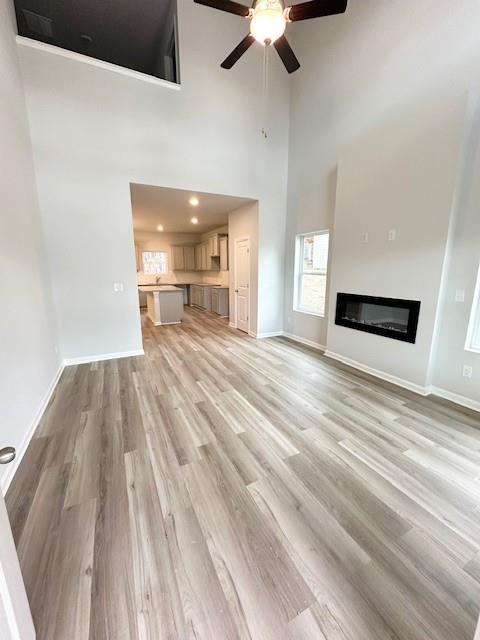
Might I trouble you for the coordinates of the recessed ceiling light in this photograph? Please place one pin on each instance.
(194, 220)
(160, 227)
(194, 201)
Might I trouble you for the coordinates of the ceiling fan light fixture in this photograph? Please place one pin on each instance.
(268, 21)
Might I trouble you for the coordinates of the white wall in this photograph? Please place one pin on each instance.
(95, 131)
(243, 223)
(461, 272)
(28, 362)
(399, 175)
(364, 77)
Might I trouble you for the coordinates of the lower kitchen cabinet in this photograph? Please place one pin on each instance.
(201, 296)
(220, 301)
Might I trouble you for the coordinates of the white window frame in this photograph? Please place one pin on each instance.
(155, 273)
(472, 342)
(299, 273)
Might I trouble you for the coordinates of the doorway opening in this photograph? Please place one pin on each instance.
(196, 257)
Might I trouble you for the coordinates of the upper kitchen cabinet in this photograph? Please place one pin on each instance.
(213, 246)
(189, 258)
(178, 260)
(223, 244)
(183, 258)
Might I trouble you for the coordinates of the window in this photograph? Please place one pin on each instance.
(311, 272)
(473, 334)
(154, 261)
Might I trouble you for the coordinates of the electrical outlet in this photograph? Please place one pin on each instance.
(364, 237)
(459, 295)
(118, 286)
(392, 235)
(467, 371)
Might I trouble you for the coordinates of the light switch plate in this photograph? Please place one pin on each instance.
(459, 295)
(392, 235)
(118, 286)
(364, 237)
(467, 371)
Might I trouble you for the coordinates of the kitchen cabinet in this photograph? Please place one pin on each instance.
(213, 246)
(183, 258)
(201, 296)
(198, 257)
(178, 261)
(189, 258)
(220, 301)
(204, 261)
(223, 253)
(138, 258)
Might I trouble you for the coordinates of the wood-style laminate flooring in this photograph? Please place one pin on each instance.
(224, 488)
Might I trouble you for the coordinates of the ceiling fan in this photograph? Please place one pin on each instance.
(268, 19)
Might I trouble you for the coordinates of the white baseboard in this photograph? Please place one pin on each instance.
(267, 334)
(290, 336)
(455, 397)
(232, 325)
(308, 343)
(401, 382)
(103, 356)
(12, 468)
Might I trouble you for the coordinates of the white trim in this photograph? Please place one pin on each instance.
(267, 334)
(108, 66)
(68, 362)
(298, 272)
(232, 325)
(276, 334)
(308, 343)
(12, 468)
(473, 330)
(431, 390)
(455, 397)
(401, 382)
(309, 313)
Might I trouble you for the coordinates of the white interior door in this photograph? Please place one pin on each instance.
(242, 284)
(15, 617)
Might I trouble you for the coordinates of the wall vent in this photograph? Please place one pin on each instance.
(38, 24)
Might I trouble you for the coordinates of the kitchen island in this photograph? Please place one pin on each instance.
(164, 304)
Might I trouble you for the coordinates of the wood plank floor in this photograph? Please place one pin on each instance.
(223, 488)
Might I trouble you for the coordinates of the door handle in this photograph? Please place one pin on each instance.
(7, 454)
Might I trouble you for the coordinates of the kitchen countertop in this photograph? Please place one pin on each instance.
(160, 288)
(147, 287)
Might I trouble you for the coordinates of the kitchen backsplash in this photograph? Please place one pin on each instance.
(182, 277)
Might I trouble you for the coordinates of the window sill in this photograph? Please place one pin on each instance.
(473, 349)
(310, 313)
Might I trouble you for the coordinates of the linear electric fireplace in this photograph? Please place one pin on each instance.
(390, 317)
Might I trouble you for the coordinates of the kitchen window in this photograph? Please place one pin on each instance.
(473, 334)
(311, 258)
(154, 262)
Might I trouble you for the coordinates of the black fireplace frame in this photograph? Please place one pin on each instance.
(413, 307)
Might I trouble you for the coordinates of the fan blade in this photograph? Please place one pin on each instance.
(285, 52)
(316, 9)
(226, 5)
(238, 52)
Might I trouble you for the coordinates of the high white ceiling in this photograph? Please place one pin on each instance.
(152, 206)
